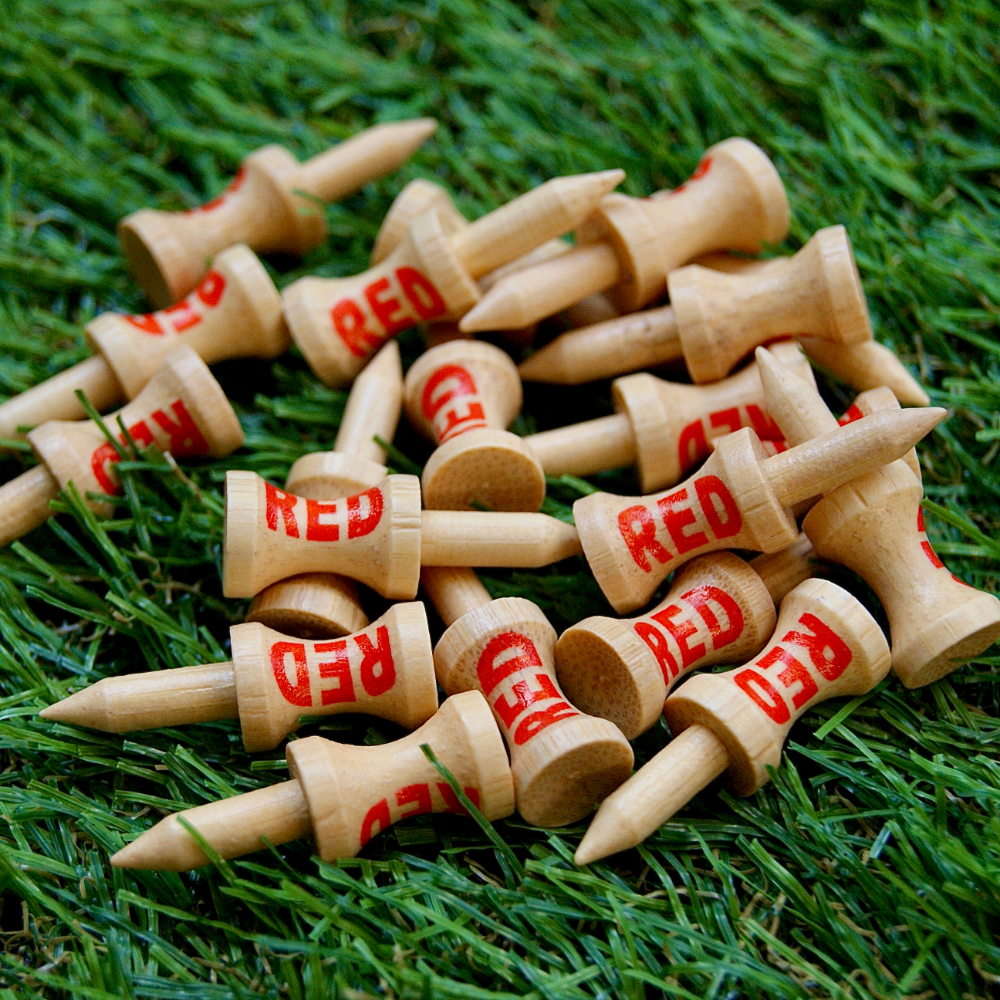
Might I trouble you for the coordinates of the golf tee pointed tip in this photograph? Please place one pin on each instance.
(823, 463)
(86, 708)
(686, 765)
(499, 309)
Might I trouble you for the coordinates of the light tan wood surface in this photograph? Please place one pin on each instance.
(563, 761)
(386, 669)
(716, 611)
(182, 410)
(345, 795)
(866, 365)
(234, 312)
(825, 645)
(462, 395)
(738, 499)
(608, 348)
(663, 427)
(272, 204)
(431, 274)
(379, 537)
(723, 317)
(325, 605)
(734, 199)
(56, 399)
(874, 525)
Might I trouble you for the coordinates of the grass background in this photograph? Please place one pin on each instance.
(869, 868)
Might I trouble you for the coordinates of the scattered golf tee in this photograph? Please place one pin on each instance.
(717, 318)
(182, 410)
(344, 795)
(826, 645)
(325, 605)
(379, 537)
(235, 312)
(462, 395)
(662, 427)
(420, 196)
(874, 525)
(386, 669)
(272, 204)
(719, 609)
(563, 761)
(734, 200)
(739, 499)
(339, 323)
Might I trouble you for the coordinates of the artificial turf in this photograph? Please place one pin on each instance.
(868, 868)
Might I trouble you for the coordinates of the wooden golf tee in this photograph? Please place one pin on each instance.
(420, 196)
(826, 645)
(739, 499)
(662, 427)
(325, 605)
(716, 318)
(874, 525)
(734, 200)
(235, 312)
(272, 681)
(345, 795)
(563, 762)
(431, 275)
(462, 395)
(272, 204)
(379, 537)
(719, 609)
(182, 410)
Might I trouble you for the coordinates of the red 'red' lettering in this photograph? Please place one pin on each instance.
(729, 419)
(419, 795)
(644, 539)
(491, 669)
(532, 725)
(692, 445)
(763, 424)
(378, 814)
(378, 671)
(349, 322)
(680, 631)
(928, 548)
(185, 437)
(234, 185)
(700, 597)
(98, 461)
(106, 454)
(423, 296)
(657, 642)
(523, 697)
(182, 316)
(852, 413)
(704, 165)
(297, 693)
(338, 669)
(451, 803)
(677, 518)
(462, 386)
(278, 501)
(318, 530)
(762, 692)
(385, 309)
(794, 673)
(211, 288)
(360, 523)
(147, 323)
(830, 655)
(708, 488)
